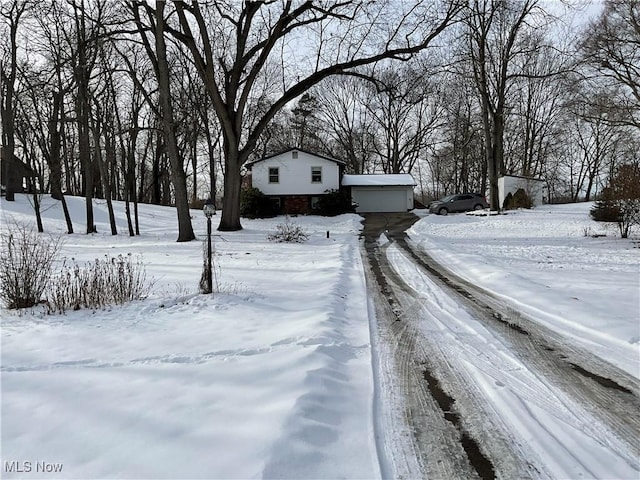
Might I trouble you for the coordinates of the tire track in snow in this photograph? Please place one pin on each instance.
(612, 414)
(419, 441)
(608, 417)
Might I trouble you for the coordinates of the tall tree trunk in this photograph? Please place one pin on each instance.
(178, 177)
(130, 177)
(67, 216)
(36, 202)
(81, 73)
(194, 158)
(211, 148)
(7, 111)
(110, 167)
(85, 158)
(230, 218)
(55, 168)
(106, 188)
(156, 175)
(55, 136)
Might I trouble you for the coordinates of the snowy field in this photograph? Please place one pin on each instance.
(555, 264)
(272, 377)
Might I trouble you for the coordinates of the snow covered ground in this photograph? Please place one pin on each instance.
(530, 415)
(272, 377)
(553, 264)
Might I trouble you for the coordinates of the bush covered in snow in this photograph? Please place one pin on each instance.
(288, 232)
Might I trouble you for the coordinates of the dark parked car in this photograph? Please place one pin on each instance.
(458, 203)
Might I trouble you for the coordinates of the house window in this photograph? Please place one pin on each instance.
(274, 175)
(314, 203)
(316, 174)
(294, 154)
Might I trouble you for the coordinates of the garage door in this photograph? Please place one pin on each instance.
(380, 199)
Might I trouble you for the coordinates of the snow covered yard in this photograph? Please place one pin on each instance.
(555, 264)
(270, 378)
(517, 390)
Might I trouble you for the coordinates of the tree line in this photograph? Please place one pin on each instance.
(166, 102)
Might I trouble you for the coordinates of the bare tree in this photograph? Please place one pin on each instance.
(234, 45)
(405, 111)
(11, 13)
(611, 49)
(347, 121)
(498, 33)
(158, 55)
(458, 164)
(534, 125)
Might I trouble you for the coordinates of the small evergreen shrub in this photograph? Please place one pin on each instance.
(508, 201)
(520, 199)
(334, 202)
(288, 232)
(605, 209)
(255, 204)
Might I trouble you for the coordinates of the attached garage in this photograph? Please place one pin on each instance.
(381, 193)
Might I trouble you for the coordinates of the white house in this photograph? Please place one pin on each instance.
(296, 179)
(381, 193)
(509, 184)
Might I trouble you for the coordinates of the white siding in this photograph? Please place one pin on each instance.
(295, 175)
(510, 184)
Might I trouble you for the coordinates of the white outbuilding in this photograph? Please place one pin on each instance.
(381, 193)
(510, 184)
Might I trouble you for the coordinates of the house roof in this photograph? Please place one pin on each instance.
(538, 179)
(396, 179)
(18, 167)
(339, 162)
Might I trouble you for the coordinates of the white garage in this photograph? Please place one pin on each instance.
(381, 193)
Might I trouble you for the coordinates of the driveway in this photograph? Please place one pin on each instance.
(438, 339)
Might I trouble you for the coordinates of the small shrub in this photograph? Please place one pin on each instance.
(106, 281)
(508, 201)
(520, 199)
(620, 202)
(288, 232)
(625, 186)
(26, 263)
(255, 204)
(605, 209)
(334, 202)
